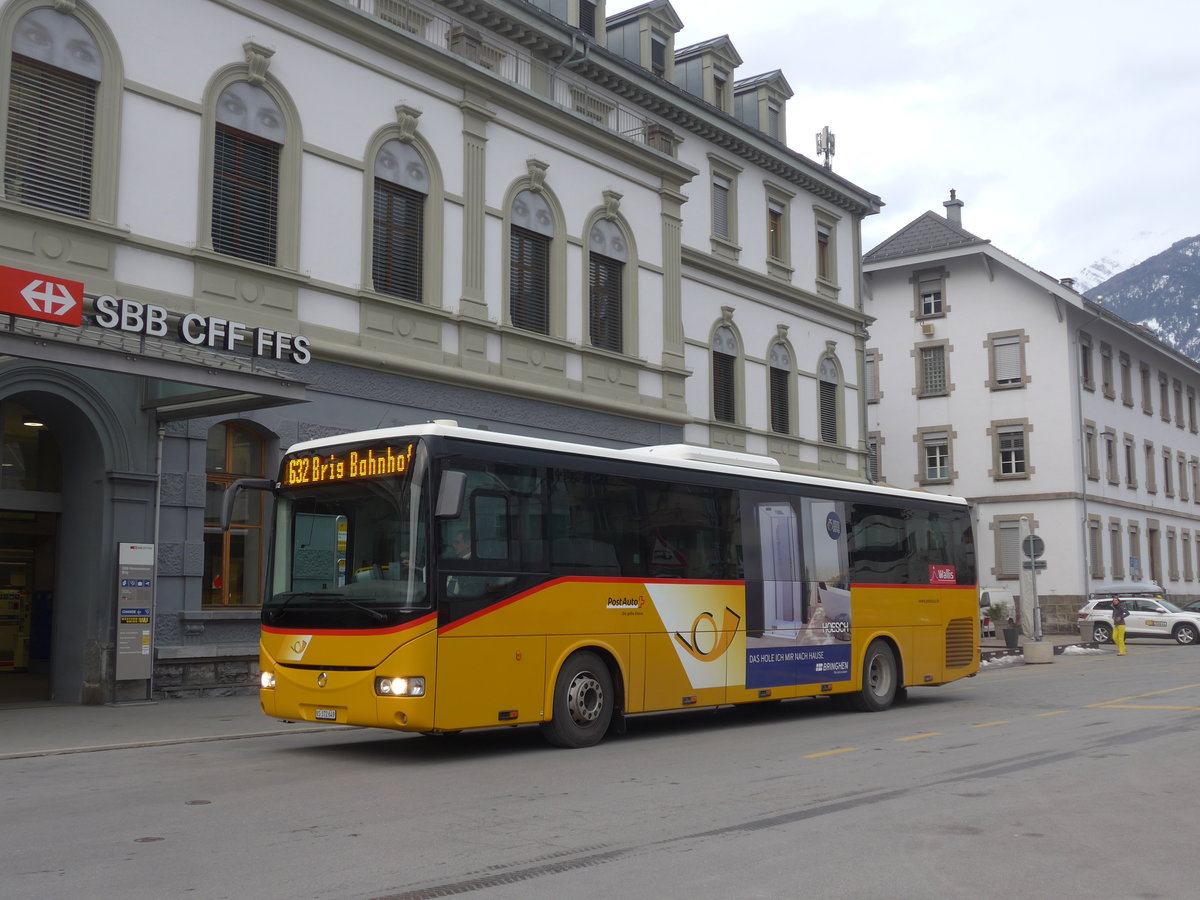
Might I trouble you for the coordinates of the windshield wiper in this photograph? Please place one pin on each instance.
(274, 612)
(374, 613)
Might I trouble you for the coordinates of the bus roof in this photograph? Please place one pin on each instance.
(676, 456)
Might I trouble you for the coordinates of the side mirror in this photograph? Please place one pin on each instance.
(450, 495)
(231, 492)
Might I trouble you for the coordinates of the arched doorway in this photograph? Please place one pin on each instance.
(30, 507)
(56, 531)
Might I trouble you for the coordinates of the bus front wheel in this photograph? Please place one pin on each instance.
(583, 702)
(880, 679)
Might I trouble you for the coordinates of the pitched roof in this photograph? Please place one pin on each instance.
(925, 233)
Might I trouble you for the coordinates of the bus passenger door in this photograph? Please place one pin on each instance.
(783, 595)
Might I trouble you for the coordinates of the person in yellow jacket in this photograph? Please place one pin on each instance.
(1119, 615)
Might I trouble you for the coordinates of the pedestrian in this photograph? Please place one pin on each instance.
(1119, 615)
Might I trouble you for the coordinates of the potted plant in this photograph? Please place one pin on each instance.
(998, 613)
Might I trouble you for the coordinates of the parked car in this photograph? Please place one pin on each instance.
(1193, 607)
(1129, 589)
(1148, 617)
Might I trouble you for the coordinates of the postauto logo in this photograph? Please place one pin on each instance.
(704, 627)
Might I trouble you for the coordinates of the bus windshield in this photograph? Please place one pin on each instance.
(350, 540)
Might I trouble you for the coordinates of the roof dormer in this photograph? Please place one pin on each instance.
(759, 102)
(706, 70)
(585, 15)
(645, 35)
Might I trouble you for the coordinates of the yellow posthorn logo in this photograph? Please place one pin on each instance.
(723, 636)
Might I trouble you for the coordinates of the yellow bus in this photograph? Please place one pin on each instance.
(435, 578)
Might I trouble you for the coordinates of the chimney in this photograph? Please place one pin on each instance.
(1067, 283)
(954, 208)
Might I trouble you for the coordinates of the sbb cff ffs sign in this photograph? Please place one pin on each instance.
(35, 296)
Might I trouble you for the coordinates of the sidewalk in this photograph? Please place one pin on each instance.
(992, 647)
(46, 728)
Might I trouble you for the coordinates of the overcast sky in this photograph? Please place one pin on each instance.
(1071, 130)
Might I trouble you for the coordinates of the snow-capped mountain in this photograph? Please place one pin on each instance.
(1161, 293)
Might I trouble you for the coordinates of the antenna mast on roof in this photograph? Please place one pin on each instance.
(825, 145)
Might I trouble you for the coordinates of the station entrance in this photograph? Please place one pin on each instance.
(30, 477)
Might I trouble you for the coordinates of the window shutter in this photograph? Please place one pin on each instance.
(871, 378)
(658, 56)
(780, 397)
(51, 126)
(587, 17)
(245, 195)
(829, 429)
(529, 280)
(606, 319)
(721, 207)
(1006, 358)
(398, 240)
(1009, 547)
(724, 407)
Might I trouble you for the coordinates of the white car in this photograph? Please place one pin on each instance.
(1148, 617)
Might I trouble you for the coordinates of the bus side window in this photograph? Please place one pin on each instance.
(489, 512)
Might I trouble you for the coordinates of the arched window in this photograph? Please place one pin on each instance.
(781, 389)
(831, 380)
(401, 190)
(531, 232)
(607, 255)
(245, 202)
(54, 79)
(233, 559)
(724, 380)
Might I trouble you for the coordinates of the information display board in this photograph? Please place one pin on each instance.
(135, 617)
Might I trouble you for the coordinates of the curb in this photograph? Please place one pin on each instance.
(1020, 651)
(167, 742)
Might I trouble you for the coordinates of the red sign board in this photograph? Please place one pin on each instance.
(942, 574)
(34, 296)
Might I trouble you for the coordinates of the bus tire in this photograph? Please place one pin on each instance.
(583, 702)
(880, 679)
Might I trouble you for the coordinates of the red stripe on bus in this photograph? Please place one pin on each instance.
(579, 579)
(424, 620)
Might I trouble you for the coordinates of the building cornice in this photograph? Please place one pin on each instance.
(772, 287)
(560, 44)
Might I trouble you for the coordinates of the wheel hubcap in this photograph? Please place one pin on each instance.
(879, 680)
(585, 698)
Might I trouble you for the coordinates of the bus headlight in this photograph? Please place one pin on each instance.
(267, 680)
(400, 687)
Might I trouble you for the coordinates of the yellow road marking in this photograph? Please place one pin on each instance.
(1123, 700)
(990, 724)
(1144, 706)
(830, 752)
(1055, 713)
(920, 737)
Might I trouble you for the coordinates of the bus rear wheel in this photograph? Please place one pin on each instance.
(583, 702)
(880, 679)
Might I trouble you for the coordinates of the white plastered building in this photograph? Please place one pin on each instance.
(994, 381)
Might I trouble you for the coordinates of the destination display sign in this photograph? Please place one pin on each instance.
(361, 463)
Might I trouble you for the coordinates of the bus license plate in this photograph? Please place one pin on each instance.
(328, 715)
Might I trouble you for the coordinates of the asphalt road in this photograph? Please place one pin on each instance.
(1073, 779)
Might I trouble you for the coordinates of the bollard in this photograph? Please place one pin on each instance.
(1039, 652)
